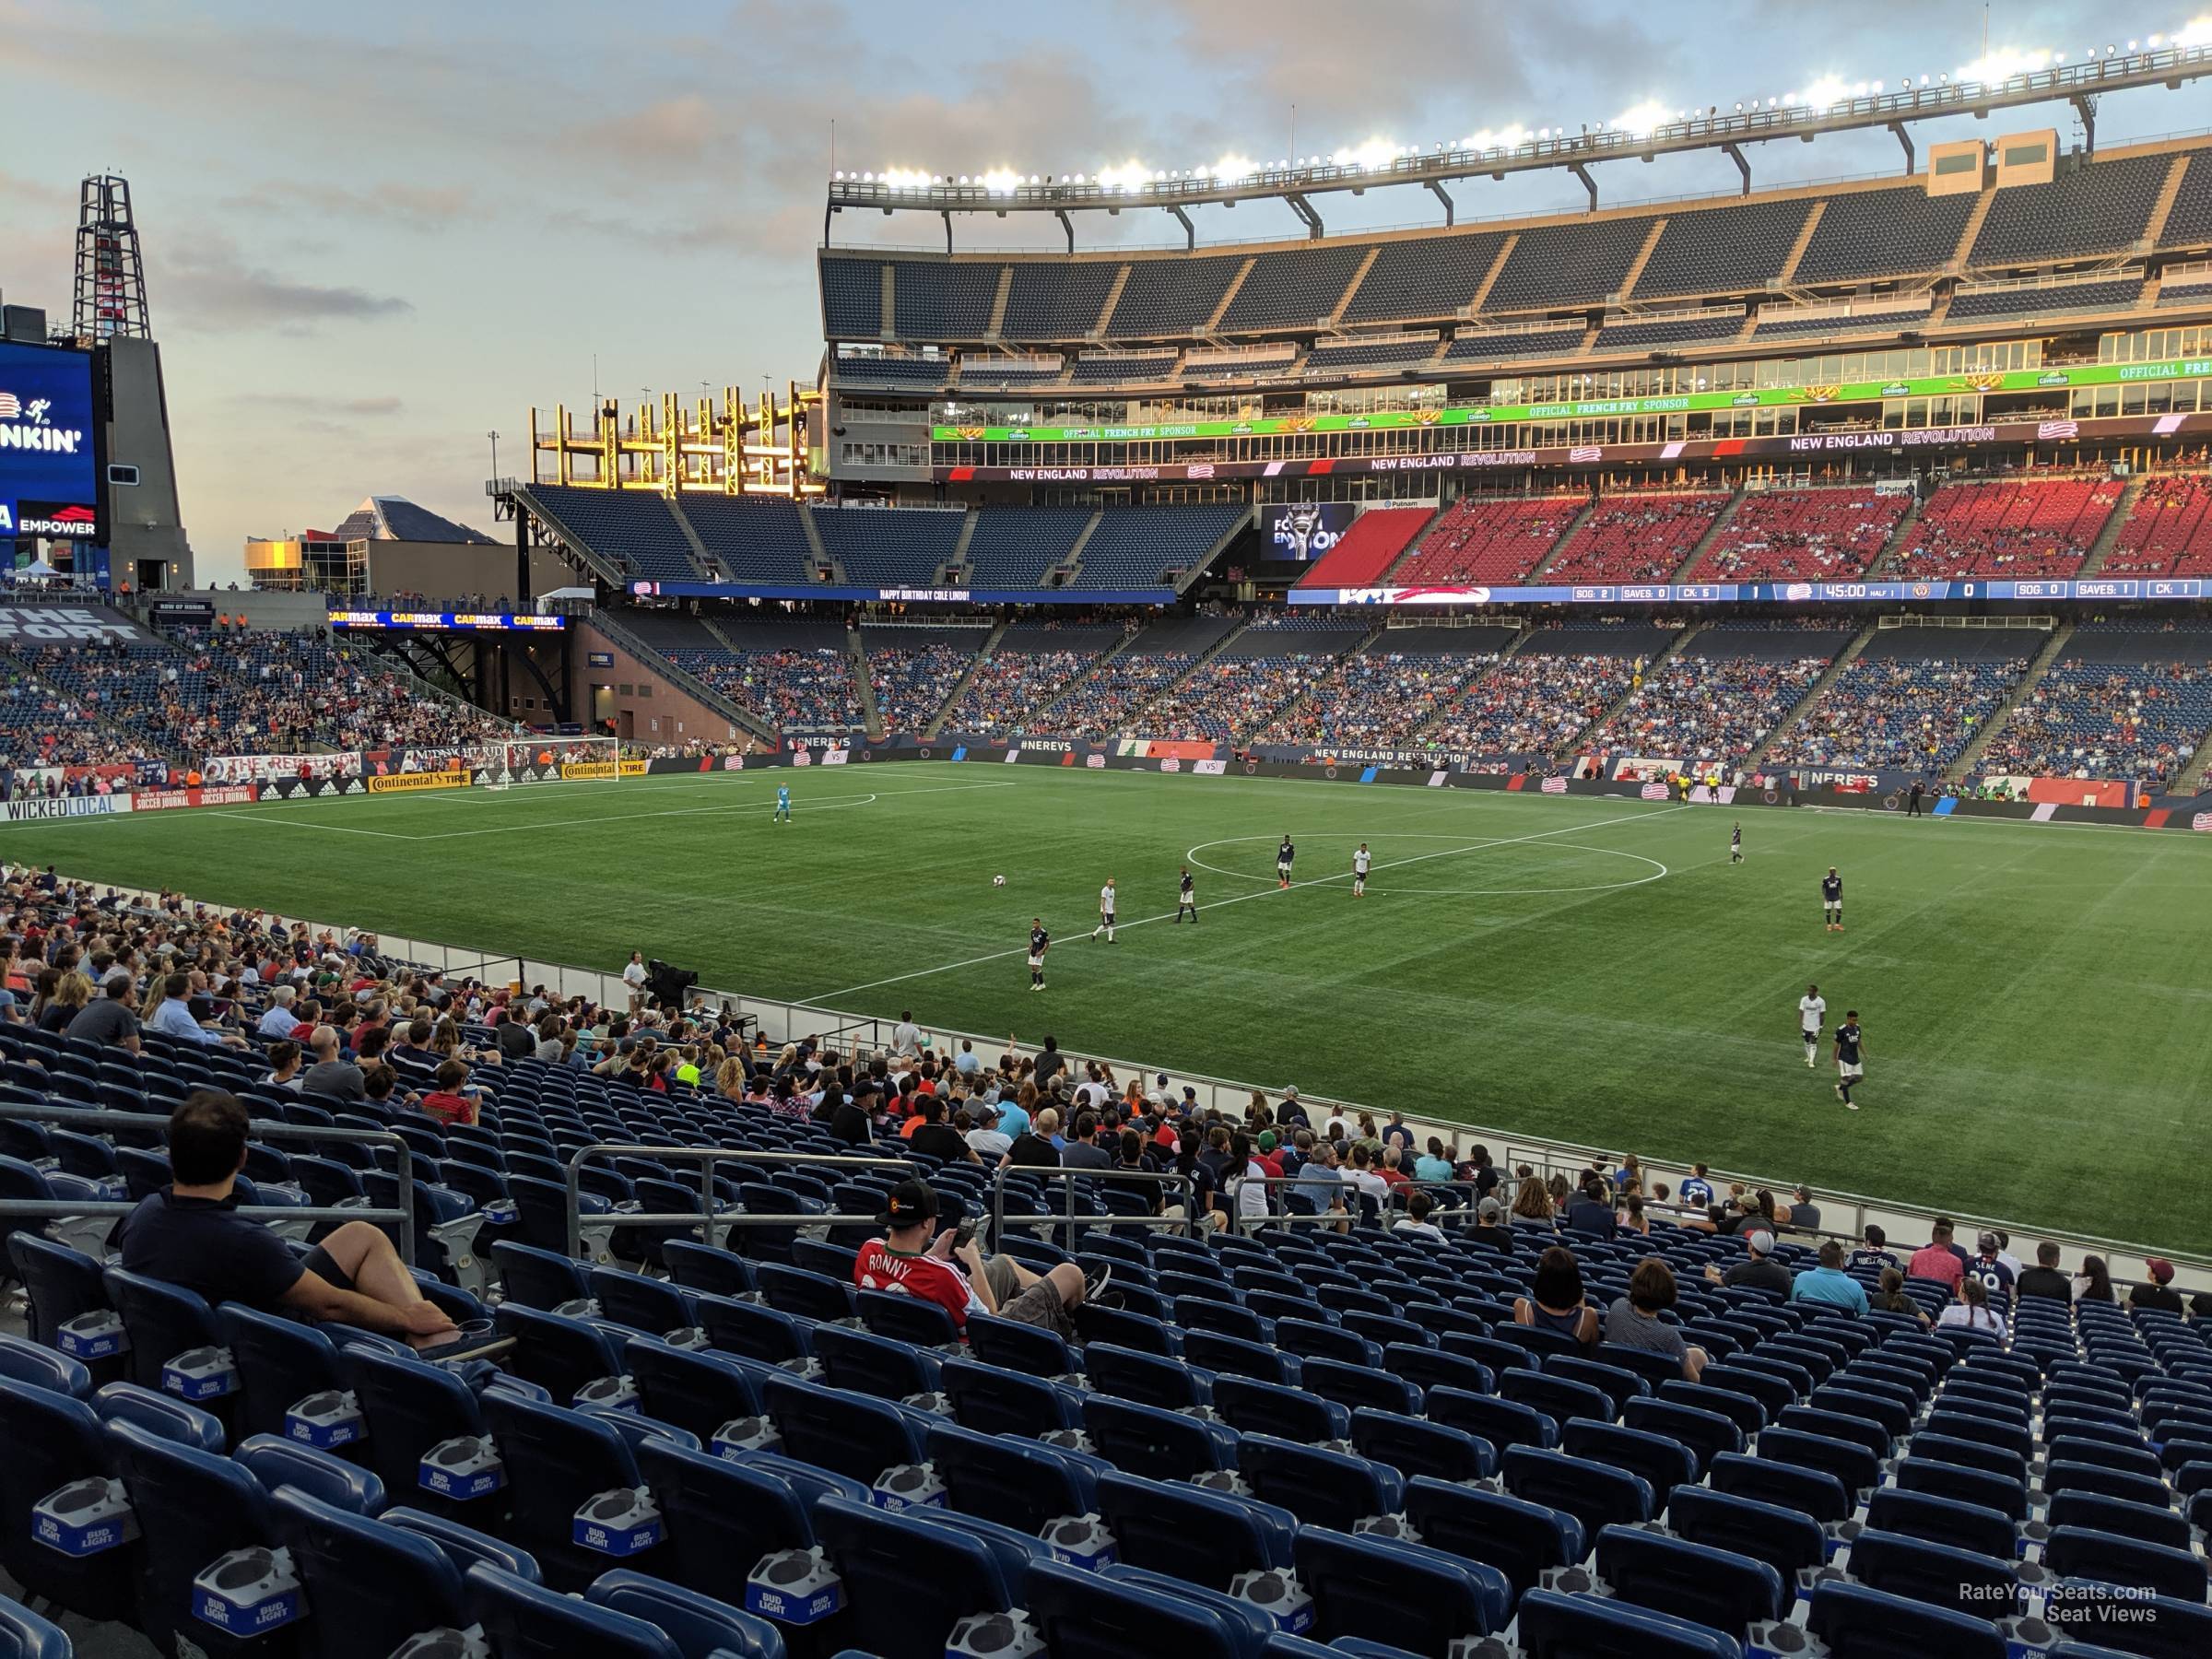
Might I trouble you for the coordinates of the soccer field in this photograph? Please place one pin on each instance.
(2035, 997)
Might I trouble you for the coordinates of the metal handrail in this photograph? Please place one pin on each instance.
(1188, 1222)
(264, 1129)
(706, 1157)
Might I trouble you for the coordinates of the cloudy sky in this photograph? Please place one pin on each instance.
(375, 233)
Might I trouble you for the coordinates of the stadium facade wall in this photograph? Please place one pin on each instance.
(644, 704)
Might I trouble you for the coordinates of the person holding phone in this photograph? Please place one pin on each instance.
(947, 1268)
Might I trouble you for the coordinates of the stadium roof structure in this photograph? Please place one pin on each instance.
(395, 518)
(1295, 182)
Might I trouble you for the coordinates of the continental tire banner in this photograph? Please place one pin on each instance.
(65, 807)
(408, 782)
(589, 769)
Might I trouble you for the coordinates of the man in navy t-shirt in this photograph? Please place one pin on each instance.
(193, 1234)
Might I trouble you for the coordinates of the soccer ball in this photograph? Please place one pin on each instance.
(998, 881)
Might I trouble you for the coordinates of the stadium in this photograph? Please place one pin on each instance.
(1505, 920)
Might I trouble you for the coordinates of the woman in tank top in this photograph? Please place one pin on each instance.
(1554, 1301)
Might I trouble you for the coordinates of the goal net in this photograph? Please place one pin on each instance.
(551, 760)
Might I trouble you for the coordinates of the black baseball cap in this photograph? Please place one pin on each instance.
(911, 1201)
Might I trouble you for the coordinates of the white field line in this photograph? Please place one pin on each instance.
(800, 804)
(1474, 846)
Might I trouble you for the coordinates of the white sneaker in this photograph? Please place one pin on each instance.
(1809, 1063)
(1850, 1106)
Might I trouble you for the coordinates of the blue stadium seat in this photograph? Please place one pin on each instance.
(993, 1400)
(854, 1435)
(1661, 1462)
(2000, 1492)
(724, 1517)
(699, 1626)
(1501, 1422)
(1239, 1356)
(1414, 1445)
(1143, 1439)
(1522, 1540)
(63, 1284)
(1704, 1434)
(1940, 1574)
(910, 1319)
(1086, 1615)
(370, 1586)
(275, 1462)
(1020, 1348)
(705, 1267)
(1812, 1492)
(281, 1364)
(1619, 1384)
(2155, 1628)
(1277, 1408)
(2111, 1559)
(1558, 1398)
(1423, 1598)
(1699, 1583)
(1854, 1465)
(409, 1407)
(193, 1507)
(558, 1462)
(2099, 1513)
(866, 1363)
(1015, 1482)
(1321, 1487)
(1748, 1415)
(697, 1390)
(1856, 1622)
(161, 1415)
(752, 1332)
(640, 1303)
(804, 1294)
(1593, 1494)
(1788, 1540)
(24, 1635)
(27, 1362)
(523, 1620)
(1585, 1627)
(1437, 1368)
(1148, 1379)
(2068, 1477)
(163, 1321)
(562, 1356)
(544, 1280)
(54, 1442)
(1942, 1521)
(910, 1579)
(1360, 1385)
(1178, 1528)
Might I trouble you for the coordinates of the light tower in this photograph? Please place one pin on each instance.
(111, 277)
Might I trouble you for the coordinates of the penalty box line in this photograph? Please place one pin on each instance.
(1267, 893)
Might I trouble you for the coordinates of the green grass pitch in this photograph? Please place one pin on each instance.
(2035, 998)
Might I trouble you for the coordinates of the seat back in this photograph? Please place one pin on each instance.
(280, 1363)
(642, 1303)
(1858, 1622)
(1520, 1538)
(192, 1506)
(722, 1516)
(523, 1620)
(54, 1441)
(993, 1400)
(62, 1283)
(1190, 1533)
(855, 1434)
(408, 1406)
(24, 1635)
(1244, 1403)
(1787, 1539)
(907, 1582)
(1939, 1573)
(694, 1389)
(557, 1461)
(1584, 1626)
(695, 1622)
(162, 1321)
(1321, 1487)
(1147, 1440)
(1593, 1493)
(1695, 1582)
(371, 1585)
(1012, 1481)
(1414, 1445)
(1086, 1615)
(560, 1354)
(1425, 1599)
(2134, 1563)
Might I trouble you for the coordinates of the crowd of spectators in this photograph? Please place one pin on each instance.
(794, 690)
(2092, 719)
(1534, 703)
(2013, 528)
(1803, 536)
(913, 682)
(2170, 531)
(1010, 686)
(1233, 698)
(1710, 708)
(1636, 538)
(1374, 700)
(1916, 714)
(1109, 697)
(1488, 539)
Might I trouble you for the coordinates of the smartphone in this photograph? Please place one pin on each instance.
(964, 1235)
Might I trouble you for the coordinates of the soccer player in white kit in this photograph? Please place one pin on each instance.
(1106, 898)
(1812, 1014)
(1360, 860)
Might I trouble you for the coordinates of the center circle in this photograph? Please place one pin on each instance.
(1658, 870)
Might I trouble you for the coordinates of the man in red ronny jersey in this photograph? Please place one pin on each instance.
(912, 1261)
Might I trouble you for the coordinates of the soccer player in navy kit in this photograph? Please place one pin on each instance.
(1831, 899)
(1186, 898)
(1040, 942)
(1851, 1059)
(1283, 855)
(1736, 844)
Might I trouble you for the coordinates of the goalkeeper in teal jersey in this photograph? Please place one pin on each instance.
(783, 803)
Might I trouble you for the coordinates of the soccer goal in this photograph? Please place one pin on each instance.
(550, 761)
